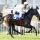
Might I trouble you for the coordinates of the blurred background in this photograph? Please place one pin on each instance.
(7, 5)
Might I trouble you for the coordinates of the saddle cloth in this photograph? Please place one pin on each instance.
(18, 17)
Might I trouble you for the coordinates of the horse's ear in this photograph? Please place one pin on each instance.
(37, 7)
(31, 7)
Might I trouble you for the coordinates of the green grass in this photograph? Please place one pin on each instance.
(28, 36)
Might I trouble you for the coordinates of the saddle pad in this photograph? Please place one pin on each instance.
(17, 17)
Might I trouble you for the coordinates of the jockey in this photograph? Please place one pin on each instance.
(19, 9)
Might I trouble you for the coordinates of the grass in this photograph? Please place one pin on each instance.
(28, 36)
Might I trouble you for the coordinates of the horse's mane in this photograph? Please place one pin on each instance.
(29, 11)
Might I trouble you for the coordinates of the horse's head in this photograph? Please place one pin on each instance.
(32, 12)
(36, 13)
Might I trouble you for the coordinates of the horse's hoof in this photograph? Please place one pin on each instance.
(36, 33)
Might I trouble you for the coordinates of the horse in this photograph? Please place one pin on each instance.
(24, 22)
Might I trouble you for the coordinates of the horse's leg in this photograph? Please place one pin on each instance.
(29, 30)
(16, 30)
(34, 29)
(28, 26)
(11, 32)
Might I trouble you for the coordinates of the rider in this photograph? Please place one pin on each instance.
(20, 9)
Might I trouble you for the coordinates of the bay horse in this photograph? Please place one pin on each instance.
(24, 22)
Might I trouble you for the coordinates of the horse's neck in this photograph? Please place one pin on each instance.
(30, 18)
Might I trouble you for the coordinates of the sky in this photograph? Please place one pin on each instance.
(34, 3)
(11, 3)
